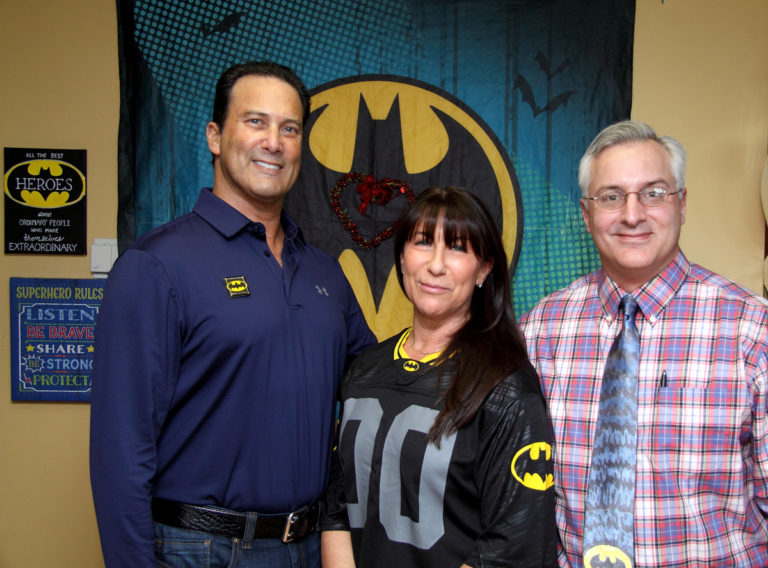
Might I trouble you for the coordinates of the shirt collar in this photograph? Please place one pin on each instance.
(653, 297)
(229, 221)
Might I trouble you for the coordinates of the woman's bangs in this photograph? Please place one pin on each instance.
(424, 221)
(458, 217)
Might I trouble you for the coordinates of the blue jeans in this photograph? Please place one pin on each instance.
(182, 548)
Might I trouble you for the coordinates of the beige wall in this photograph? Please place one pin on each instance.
(59, 89)
(701, 75)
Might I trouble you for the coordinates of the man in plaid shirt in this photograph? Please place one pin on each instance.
(701, 494)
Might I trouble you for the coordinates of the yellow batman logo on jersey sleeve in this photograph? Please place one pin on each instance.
(536, 451)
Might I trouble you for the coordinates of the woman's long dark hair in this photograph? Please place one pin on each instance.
(489, 346)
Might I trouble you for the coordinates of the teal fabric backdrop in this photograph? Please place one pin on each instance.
(542, 76)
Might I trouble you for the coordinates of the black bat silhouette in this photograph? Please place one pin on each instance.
(528, 97)
(237, 286)
(229, 22)
(543, 62)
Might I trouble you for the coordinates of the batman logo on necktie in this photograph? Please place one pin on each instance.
(605, 556)
(411, 365)
(393, 128)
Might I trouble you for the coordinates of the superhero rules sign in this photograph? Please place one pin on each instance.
(52, 324)
(45, 204)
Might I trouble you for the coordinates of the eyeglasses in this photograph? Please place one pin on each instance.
(612, 199)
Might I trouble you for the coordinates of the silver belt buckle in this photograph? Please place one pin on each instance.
(287, 534)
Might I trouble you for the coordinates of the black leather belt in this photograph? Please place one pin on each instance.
(232, 524)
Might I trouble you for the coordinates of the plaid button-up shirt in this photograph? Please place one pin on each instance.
(702, 443)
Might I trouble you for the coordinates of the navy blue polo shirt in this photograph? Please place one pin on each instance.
(216, 372)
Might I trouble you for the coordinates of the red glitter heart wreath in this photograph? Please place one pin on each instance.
(371, 191)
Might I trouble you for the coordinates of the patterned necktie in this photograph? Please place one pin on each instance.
(610, 508)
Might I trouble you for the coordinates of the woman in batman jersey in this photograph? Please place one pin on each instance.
(444, 455)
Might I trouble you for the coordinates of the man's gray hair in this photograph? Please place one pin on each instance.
(628, 132)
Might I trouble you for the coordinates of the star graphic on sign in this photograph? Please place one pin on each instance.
(90, 349)
(30, 348)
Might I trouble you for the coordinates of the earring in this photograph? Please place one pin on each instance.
(480, 284)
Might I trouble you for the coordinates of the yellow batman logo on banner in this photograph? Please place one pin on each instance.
(536, 451)
(399, 132)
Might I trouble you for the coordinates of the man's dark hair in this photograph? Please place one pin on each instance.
(263, 69)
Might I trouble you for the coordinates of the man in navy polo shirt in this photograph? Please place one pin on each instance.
(220, 343)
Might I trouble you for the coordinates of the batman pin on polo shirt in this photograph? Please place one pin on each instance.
(236, 286)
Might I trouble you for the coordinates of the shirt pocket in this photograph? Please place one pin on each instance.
(694, 438)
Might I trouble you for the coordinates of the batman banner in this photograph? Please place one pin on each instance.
(498, 96)
(372, 139)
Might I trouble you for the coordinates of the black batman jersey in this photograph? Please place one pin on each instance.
(483, 498)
